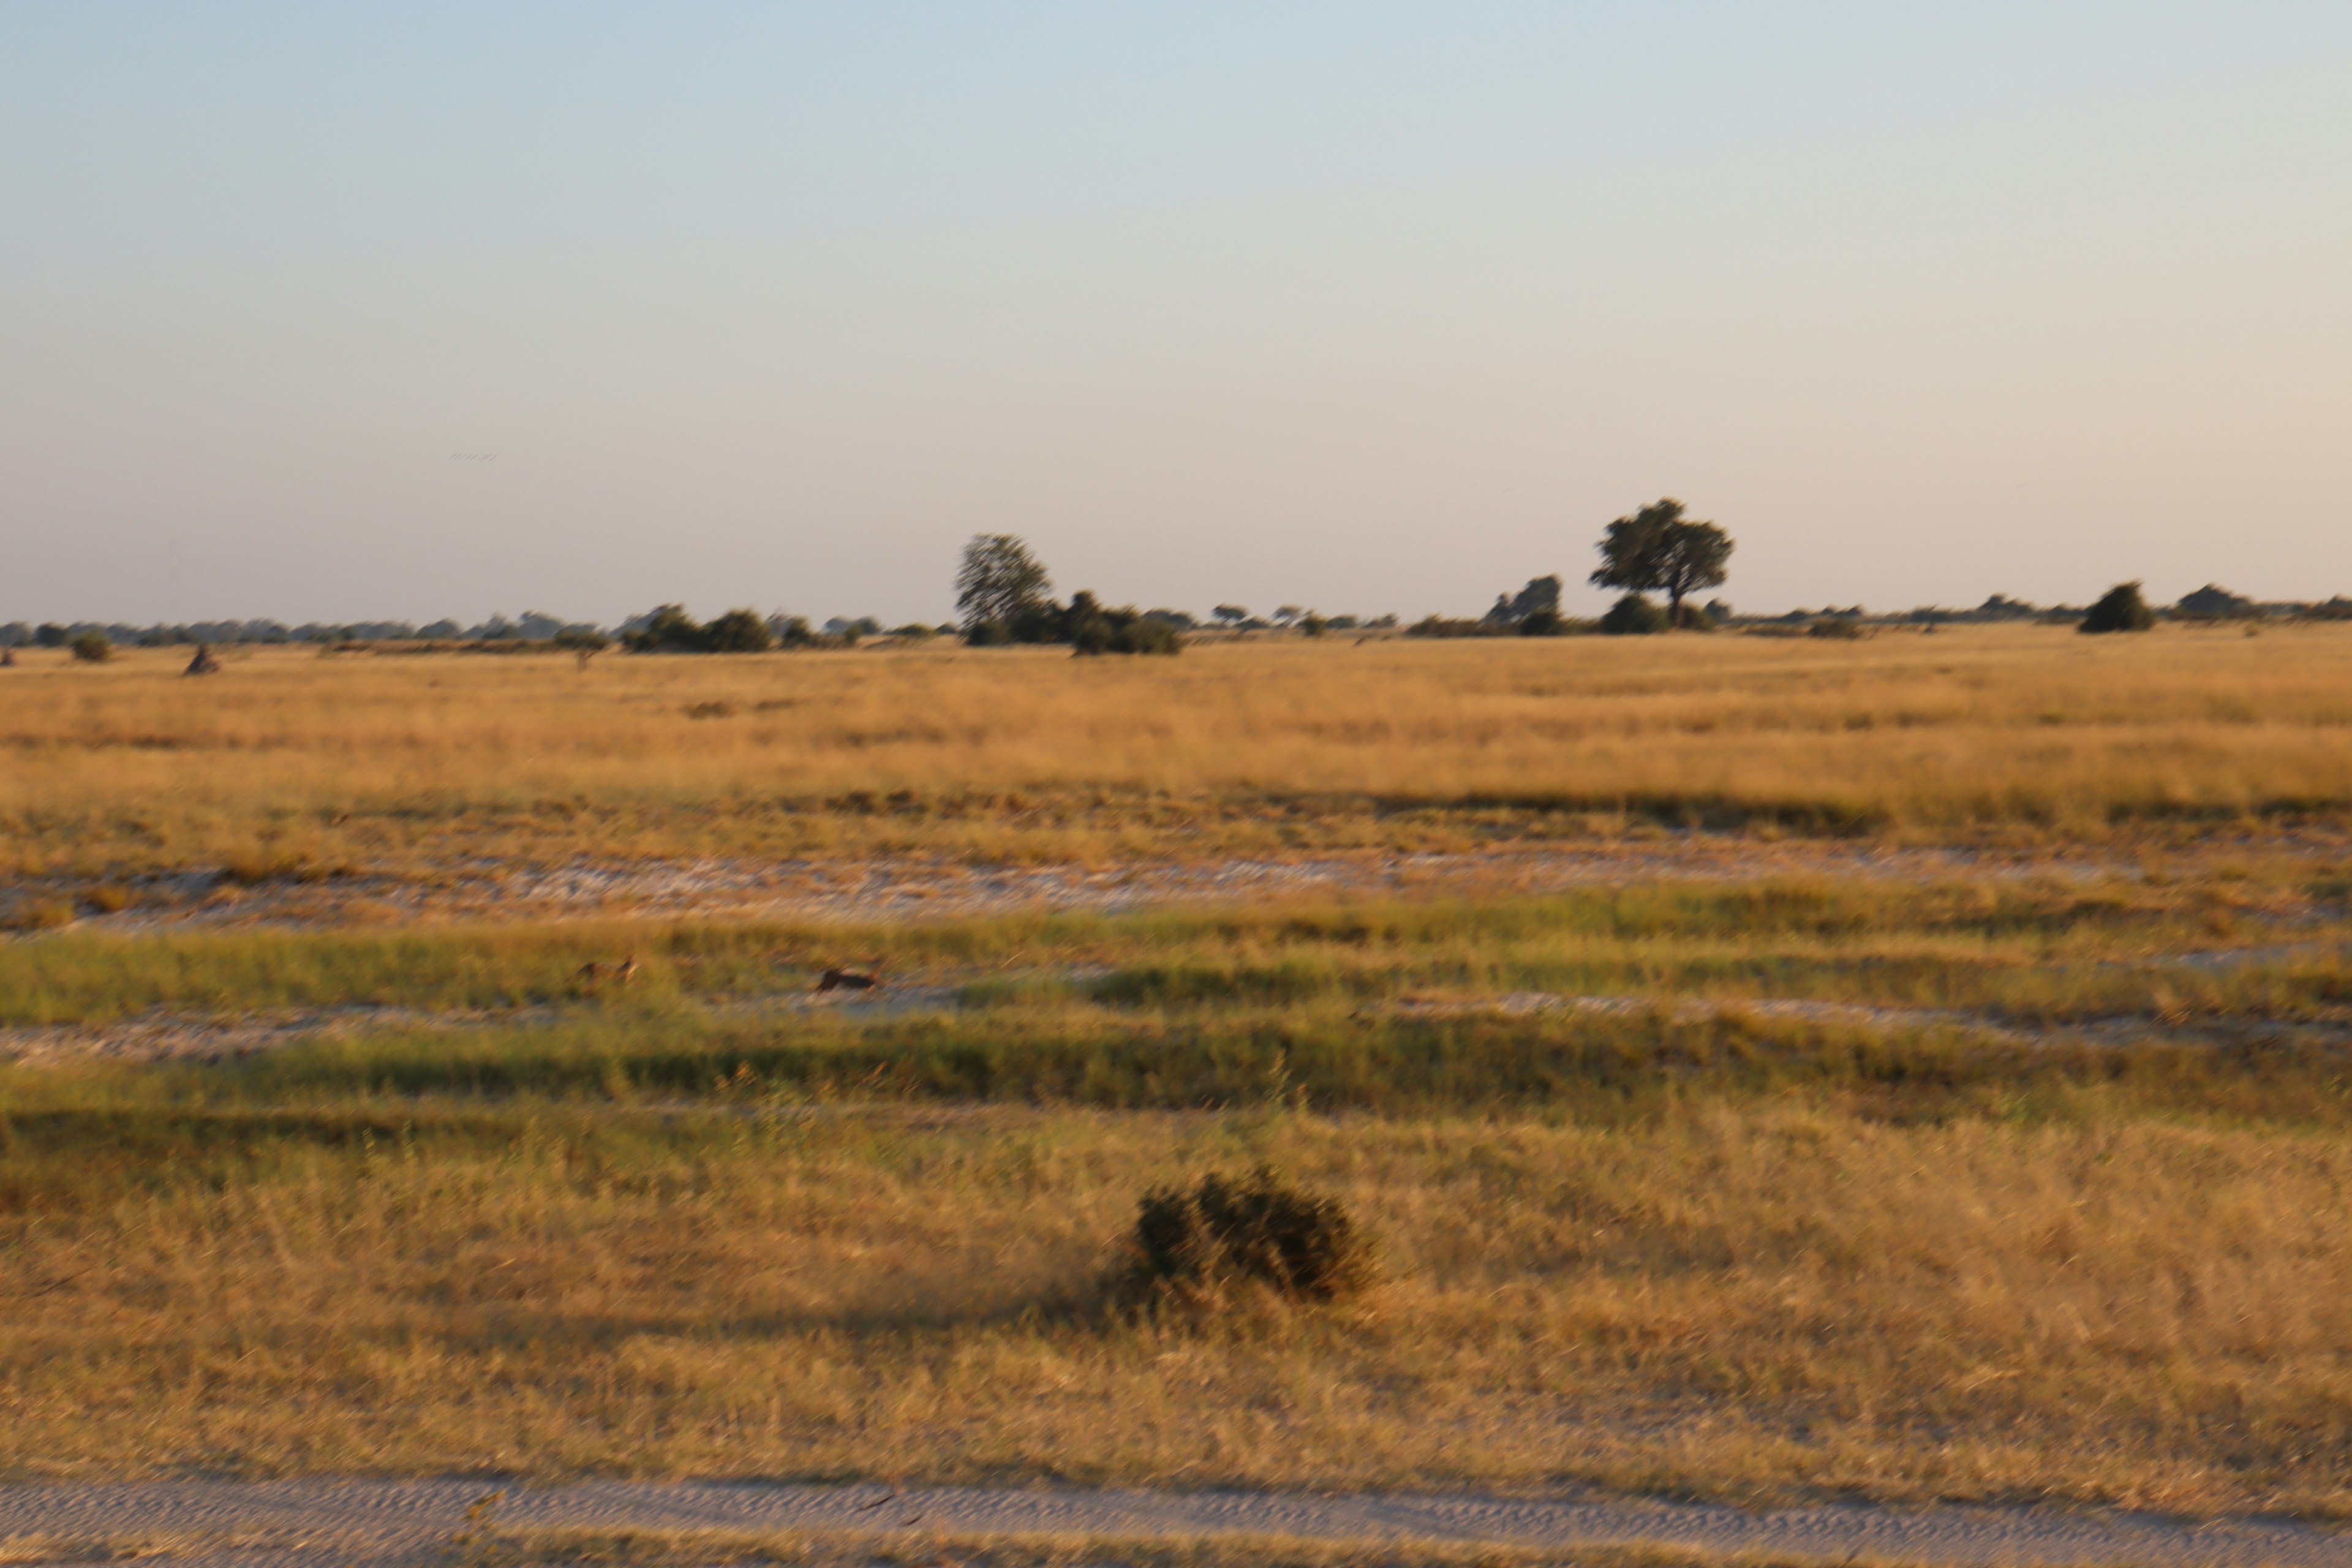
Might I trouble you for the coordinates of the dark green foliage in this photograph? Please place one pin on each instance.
(1539, 597)
(1249, 1230)
(91, 647)
(2120, 609)
(1658, 548)
(2215, 603)
(1438, 627)
(581, 639)
(52, 634)
(1088, 625)
(669, 630)
(1095, 629)
(1842, 627)
(999, 583)
(1633, 615)
(738, 631)
(1543, 624)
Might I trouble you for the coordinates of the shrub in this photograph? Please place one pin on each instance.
(988, 634)
(1093, 629)
(2121, 609)
(738, 631)
(1843, 627)
(669, 630)
(1248, 1231)
(1633, 615)
(1440, 626)
(91, 647)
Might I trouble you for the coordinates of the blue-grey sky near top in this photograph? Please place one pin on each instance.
(404, 312)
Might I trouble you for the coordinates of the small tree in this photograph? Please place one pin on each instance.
(91, 647)
(999, 581)
(1657, 549)
(1232, 614)
(2120, 609)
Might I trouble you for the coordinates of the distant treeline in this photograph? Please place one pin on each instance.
(1534, 611)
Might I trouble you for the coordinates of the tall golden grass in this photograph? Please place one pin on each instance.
(1740, 1303)
(1248, 746)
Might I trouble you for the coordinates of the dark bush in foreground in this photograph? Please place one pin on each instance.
(91, 647)
(1633, 615)
(1250, 1231)
(2120, 610)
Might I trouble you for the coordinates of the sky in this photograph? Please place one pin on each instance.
(405, 311)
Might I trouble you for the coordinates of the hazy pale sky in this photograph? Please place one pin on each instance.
(406, 311)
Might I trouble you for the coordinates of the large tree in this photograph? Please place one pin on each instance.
(1659, 549)
(999, 581)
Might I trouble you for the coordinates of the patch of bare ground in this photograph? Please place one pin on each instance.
(928, 888)
(169, 1038)
(673, 1525)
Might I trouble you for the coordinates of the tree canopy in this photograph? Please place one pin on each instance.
(999, 581)
(1658, 549)
(2119, 609)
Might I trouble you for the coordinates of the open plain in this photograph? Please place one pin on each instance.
(1773, 1072)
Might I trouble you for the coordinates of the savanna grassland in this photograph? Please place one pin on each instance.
(2020, 1168)
(293, 758)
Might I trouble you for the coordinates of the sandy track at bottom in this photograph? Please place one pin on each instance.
(395, 1522)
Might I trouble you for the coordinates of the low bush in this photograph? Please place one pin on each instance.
(1095, 629)
(1633, 615)
(2120, 609)
(1250, 1231)
(669, 630)
(738, 631)
(91, 647)
(1838, 626)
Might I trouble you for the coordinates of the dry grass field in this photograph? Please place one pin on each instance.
(291, 757)
(1754, 1302)
(2007, 1178)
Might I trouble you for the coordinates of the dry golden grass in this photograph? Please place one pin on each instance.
(1740, 1303)
(290, 754)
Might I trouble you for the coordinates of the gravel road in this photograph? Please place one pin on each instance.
(386, 1522)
